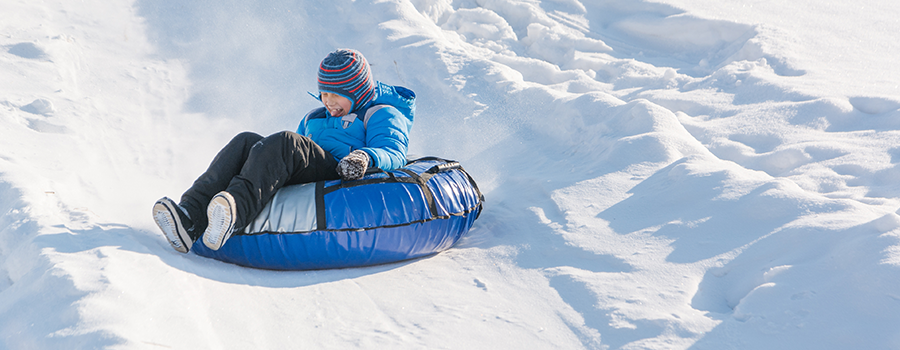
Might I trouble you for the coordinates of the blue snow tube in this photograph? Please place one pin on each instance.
(418, 210)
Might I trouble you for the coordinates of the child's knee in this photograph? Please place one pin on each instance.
(290, 137)
(248, 137)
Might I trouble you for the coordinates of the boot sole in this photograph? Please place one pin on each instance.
(216, 235)
(168, 221)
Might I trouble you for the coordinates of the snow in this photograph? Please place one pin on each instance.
(659, 174)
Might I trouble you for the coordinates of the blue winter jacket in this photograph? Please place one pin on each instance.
(380, 128)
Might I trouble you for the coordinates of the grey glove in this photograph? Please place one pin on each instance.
(353, 166)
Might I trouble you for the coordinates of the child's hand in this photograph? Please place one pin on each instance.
(353, 166)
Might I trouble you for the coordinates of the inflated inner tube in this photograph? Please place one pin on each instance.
(420, 209)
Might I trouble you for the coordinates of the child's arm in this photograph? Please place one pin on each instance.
(387, 139)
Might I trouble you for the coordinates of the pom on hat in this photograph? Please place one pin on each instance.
(346, 72)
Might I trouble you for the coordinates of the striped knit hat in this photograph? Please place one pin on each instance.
(346, 72)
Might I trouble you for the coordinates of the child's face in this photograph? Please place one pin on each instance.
(336, 104)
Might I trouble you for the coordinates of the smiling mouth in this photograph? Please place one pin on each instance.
(336, 112)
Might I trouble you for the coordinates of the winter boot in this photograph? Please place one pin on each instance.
(221, 214)
(175, 223)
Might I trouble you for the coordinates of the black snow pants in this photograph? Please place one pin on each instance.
(252, 168)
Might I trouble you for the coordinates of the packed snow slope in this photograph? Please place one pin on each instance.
(660, 174)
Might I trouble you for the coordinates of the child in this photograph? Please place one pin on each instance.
(337, 141)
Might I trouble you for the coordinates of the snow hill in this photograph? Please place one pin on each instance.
(659, 174)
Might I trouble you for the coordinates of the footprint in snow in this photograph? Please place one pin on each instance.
(28, 50)
(45, 127)
(480, 284)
